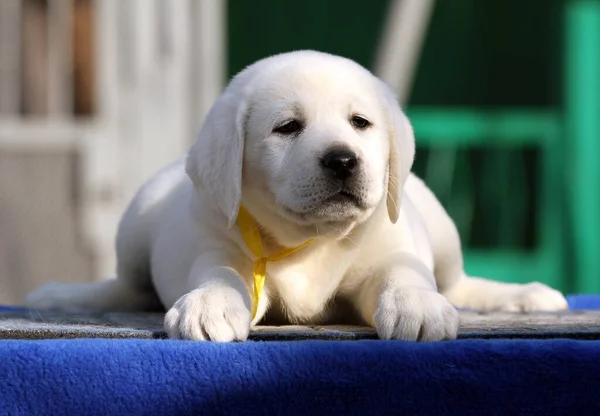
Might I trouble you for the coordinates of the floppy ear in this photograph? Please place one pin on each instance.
(402, 153)
(214, 163)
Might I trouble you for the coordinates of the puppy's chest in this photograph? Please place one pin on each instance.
(304, 284)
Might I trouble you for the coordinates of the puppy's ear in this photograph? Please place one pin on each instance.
(402, 153)
(214, 163)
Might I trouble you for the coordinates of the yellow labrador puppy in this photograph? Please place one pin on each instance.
(315, 153)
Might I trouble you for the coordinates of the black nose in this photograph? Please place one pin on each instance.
(340, 163)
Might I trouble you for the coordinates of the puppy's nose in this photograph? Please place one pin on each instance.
(340, 163)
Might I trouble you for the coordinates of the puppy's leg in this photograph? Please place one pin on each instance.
(132, 290)
(217, 308)
(487, 295)
(472, 292)
(401, 302)
(108, 295)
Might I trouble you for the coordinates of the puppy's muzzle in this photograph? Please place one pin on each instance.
(339, 163)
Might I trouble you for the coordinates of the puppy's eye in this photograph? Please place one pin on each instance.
(360, 122)
(289, 127)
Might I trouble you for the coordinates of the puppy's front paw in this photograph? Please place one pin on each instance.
(412, 314)
(533, 297)
(209, 314)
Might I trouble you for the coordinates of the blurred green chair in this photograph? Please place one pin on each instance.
(582, 133)
(446, 132)
(559, 136)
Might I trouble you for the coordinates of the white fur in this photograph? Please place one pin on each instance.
(390, 257)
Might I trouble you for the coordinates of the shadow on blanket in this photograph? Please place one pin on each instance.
(465, 377)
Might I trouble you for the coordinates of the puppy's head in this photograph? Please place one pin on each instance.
(310, 137)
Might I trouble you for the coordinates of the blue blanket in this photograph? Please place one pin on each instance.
(163, 377)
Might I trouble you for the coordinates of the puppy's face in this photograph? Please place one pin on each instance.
(304, 138)
(316, 146)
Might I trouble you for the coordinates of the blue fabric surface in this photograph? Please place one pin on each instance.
(135, 377)
(580, 302)
(163, 377)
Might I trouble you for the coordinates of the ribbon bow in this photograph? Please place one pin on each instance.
(251, 234)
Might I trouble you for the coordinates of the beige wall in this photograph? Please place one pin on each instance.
(39, 240)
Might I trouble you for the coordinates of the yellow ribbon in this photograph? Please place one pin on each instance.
(251, 234)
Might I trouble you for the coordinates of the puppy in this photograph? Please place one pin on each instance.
(317, 153)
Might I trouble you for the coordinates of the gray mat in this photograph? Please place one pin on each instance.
(32, 324)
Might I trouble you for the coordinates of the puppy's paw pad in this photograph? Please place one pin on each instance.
(415, 315)
(535, 297)
(209, 314)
